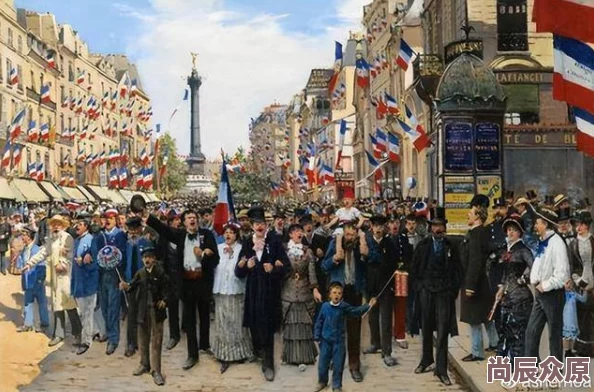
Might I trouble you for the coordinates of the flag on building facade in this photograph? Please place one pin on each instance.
(123, 178)
(13, 76)
(569, 18)
(113, 178)
(404, 55)
(341, 137)
(15, 126)
(44, 131)
(51, 60)
(377, 152)
(573, 77)
(382, 140)
(362, 69)
(32, 132)
(6, 155)
(140, 178)
(585, 136)
(372, 161)
(40, 171)
(32, 170)
(148, 178)
(392, 105)
(326, 173)
(133, 88)
(420, 141)
(393, 148)
(45, 95)
(337, 66)
(123, 85)
(224, 209)
(80, 78)
(17, 156)
(71, 181)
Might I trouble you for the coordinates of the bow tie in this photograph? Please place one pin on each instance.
(193, 236)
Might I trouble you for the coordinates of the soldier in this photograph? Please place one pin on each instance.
(498, 245)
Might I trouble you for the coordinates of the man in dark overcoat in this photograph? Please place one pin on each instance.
(435, 277)
(477, 297)
(265, 264)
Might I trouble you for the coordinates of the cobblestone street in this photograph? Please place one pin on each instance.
(64, 370)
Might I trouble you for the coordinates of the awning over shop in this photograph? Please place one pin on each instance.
(100, 192)
(51, 190)
(6, 192)
(30, 190)
(18, 195)
(153, 198)
(116, 197)
(74, 194)
(127, 194)
(85, 192)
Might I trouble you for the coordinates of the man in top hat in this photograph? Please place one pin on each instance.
(549, 272)
(198, 257)
(84, 284)
(279, 228)
(264, 263)
(435, 278)
(345, 265)
(477, 296)
(525, 210)
(33, 283)
(381, 263)
(581, 256)
(508, 195)
(532, 197)
(57, 254)
(109, 279)
(560, 202)
(565, 227)
(318, 243)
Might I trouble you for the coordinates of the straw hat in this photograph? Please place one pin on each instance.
(58, 220)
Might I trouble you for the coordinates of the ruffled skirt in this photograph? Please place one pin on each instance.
(298, 342)
(231, 342)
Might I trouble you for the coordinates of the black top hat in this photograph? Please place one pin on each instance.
(137, 204)
(480, 201)
(564, 214)
(299, 211)
(513, 220)
(378, 220)
(257, 214)
(583, 216)
(499, 202)
(531, 195)
(305, 219)
(508, 194)
(549, 200)
(134, 222)
(438, 216)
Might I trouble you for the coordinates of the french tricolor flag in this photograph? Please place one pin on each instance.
(393, 148)
(585, 136)
(362, 73)
(13, 77)
(45, 94)
(392, 105)
(224, 210)
(404, 55)
(377, 152)
(6, 155)
(123, 178)
(342, 134)
(382, 140)
(420, 139)
(569, 18)
(51, 60)
(573, 77)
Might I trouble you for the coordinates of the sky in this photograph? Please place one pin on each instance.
(251, 53)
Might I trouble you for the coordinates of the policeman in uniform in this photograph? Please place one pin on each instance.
(497, 247)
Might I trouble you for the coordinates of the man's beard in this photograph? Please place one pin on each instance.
(348, 245)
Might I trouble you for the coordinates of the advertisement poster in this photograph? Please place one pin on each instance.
(486, 145)
(458, 147)
(458, 192)
(489, 186)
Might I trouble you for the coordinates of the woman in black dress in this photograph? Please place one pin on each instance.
(514, 294)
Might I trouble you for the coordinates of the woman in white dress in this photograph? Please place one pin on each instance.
(231, 342)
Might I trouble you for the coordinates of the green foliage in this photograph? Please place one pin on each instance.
(250, 186)
(175, 175)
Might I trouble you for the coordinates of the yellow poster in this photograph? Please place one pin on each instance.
(458, 192)
(489, 186)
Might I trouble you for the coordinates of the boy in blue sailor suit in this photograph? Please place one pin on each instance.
(329, 331)
(136, 243)
(109, 280)
(33, 283)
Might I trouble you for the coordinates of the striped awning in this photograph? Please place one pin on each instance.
(6, 193)
(51, 189)
(30, 190)
(75, 194)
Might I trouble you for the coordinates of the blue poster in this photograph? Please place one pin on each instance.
(458, 147)
(486, 145)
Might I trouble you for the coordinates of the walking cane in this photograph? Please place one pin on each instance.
(493, 309)
(381, 291)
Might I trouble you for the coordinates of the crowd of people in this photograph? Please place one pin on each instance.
(312, 272)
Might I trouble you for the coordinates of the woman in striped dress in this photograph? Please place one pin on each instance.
(300, 290)
(231, 342)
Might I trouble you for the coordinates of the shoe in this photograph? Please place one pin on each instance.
(390, 361)
(445, 380)
(269, 374)
(356, 375)
(422, 369)
(130, 351)
(491, 349)
(76, 342)
(140, 370)
(224, 367)
(171, 344)
(403, 344)
(158, 379)
(110, 348)
(372, 350)
(24, 328)
(82, 349)
(207, 351)
(471, 358)
(96, 337)
(189, 363)
(569, 353)
(3, 272)
(320, 387)
(41, 329)
(102, 339)
(55, 341)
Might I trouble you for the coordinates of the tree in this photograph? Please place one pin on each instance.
(176, 170)
(249, 186)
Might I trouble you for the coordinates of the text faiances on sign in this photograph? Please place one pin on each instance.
(455, 49)
(458, 192)
(486, 146)
(458, 146)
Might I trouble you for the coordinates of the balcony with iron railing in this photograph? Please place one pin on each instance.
(427, 71)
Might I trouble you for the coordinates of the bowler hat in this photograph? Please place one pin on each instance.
(480, 201)
(256, 214)
(137, 204)
(148, 251)
(134, 222)
(378, 220)
(438, 216)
